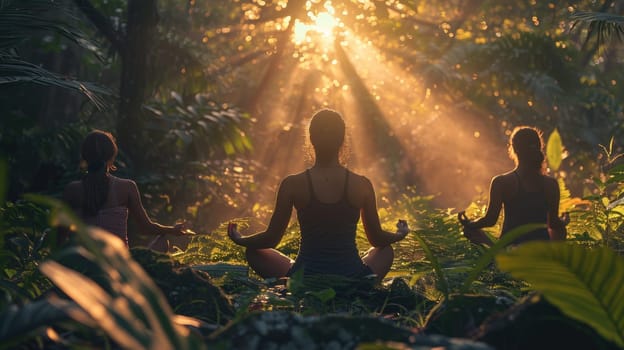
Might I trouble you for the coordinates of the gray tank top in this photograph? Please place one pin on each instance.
(328, 237)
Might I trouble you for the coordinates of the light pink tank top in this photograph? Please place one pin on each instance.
(114, 219)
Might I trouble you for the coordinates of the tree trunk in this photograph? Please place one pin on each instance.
(141, 27)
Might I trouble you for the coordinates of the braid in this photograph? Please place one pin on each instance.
(98, 150)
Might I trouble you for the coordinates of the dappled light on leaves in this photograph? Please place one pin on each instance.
(211, 102)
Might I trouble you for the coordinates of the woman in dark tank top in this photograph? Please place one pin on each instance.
(526, 194)
(329, 200)
(328, 236)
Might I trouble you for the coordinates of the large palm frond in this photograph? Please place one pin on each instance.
(23, 20)
(601, 25)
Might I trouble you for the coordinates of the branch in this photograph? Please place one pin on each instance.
(102, 24)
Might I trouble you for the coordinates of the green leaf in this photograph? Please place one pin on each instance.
(324, 295)
(135, 313)
(17, 321)
(554, 150)
(97, 303)
(585, 284)
(437, 268)
(489, 254)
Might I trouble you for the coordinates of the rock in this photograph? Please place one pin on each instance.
(533, 323)
(461, 315)
(289, 330)
(189, 292)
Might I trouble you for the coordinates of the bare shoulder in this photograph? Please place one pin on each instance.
(126, 190)
(293, 179)
(550, 183)
(72, 190)
(293, 184)
(124, 183)
(503, 179)
(360, 187)
(360, 181)
(73, 186)
(361, 190)
(508, 175)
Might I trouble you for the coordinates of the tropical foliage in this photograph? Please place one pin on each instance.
(209, 101)
(584, 284)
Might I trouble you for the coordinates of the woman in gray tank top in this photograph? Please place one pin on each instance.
(329, 201)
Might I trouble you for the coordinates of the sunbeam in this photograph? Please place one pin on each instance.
(401, 134)
(443, 145)
(320, 28)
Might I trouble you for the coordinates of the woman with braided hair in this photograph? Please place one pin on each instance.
(526, 193)
(107, 201)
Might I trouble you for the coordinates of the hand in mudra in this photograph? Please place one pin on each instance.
(402, 229)
(473, 234)
(565, 218)
(233, 233)
(183, 229)
(463, 219)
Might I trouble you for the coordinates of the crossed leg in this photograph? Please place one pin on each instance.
(271, 263)
(268, 262)
(379, 259)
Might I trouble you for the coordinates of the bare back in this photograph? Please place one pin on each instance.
(527, 198)
(122, 194)
(119, 191)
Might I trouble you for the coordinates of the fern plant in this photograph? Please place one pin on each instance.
(124, 301)
(602, 216)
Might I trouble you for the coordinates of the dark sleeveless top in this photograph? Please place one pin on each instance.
(526, 208)
(328, 237)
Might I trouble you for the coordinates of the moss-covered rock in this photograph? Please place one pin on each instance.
(535, 324)
(461, 315)
(189, 292)
(288, 330)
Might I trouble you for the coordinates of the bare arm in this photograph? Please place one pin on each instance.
(494, 206)
(556, 227)
(138, 214)
(370, 218)
(277, 226)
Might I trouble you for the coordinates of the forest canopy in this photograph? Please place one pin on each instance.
(210, 102)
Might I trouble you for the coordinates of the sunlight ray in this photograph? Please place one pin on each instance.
(402, 133)
(440, 137)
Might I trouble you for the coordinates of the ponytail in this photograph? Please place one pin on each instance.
(99, 151)
(95, 191)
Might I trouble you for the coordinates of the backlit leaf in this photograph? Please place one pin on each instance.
(585, 284)
(554, 150)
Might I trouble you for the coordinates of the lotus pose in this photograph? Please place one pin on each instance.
(528, 196)
(104, 200)
(329, 200)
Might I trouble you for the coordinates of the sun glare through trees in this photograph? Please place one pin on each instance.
(143, 142)
(331, 54)
(322, 26)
